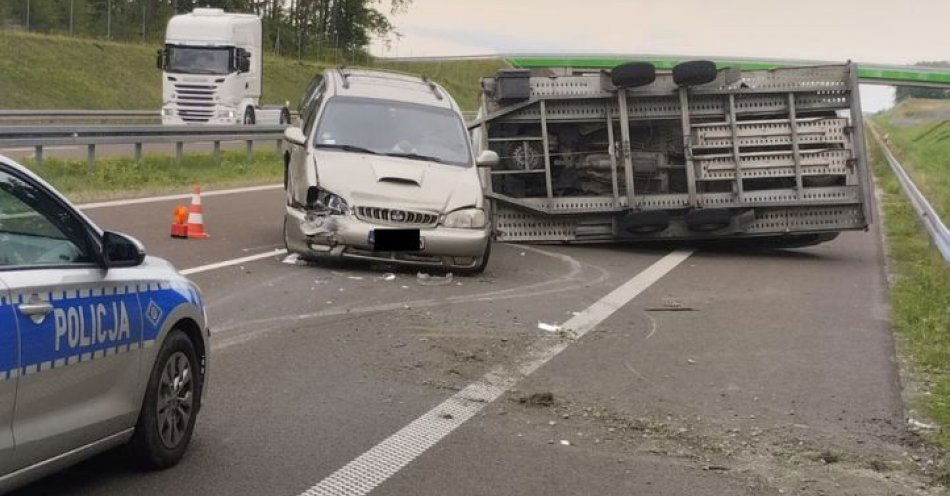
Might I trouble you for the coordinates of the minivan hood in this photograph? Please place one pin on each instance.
(380, 181)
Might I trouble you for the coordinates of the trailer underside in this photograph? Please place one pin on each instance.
(754, 153)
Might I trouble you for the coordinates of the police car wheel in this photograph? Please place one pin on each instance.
(167, 418)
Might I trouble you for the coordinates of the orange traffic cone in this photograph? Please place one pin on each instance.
(179, 222)
(196, 223)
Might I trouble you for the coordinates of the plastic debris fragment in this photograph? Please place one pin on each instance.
(548, 327)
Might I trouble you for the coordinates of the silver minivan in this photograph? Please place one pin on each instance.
(100, 345)
(383, 169)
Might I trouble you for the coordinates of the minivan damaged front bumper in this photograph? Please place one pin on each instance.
(349, 237)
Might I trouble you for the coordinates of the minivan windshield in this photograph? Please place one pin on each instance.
(199, 60)
(387, 127)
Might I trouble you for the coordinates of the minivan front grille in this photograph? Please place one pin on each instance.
(395, 216)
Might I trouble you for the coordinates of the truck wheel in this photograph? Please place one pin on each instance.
(249, 116)
(694, 72)
(167, 419)
(284, 116)
(633, 74)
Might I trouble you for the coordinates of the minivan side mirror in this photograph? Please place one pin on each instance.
(121, 250)
(488, 158)
(295, 135)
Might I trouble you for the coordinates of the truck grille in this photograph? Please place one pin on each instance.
(394, 216)
(195, 102)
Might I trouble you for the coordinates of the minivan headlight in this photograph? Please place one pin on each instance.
(331, 203)
(470, 218)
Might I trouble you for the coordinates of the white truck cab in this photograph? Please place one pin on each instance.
(212, 70)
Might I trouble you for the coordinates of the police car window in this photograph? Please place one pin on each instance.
(34, 228)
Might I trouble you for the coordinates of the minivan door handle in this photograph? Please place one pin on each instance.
(36, 309)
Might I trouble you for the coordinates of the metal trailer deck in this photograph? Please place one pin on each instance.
(781, 151)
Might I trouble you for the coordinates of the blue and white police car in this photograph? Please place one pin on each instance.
(100, 345)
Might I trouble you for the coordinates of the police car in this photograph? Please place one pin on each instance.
(100, 345)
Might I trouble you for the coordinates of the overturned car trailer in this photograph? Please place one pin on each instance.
(694, 153)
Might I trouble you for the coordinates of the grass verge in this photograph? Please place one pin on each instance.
(920, 295)
(919, 133)
(119, 177)
(41, 71)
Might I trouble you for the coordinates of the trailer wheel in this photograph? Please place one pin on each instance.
(633, 74)
(645, 222)
(695, 72)
(708, 219)
(249, 116)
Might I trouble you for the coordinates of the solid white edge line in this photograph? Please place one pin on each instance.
(372, 468)
(183, 196)
(233, 261)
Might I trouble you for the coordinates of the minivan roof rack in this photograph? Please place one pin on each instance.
(343, 76)
(432, 86)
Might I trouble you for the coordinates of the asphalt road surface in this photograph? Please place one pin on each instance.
(676, 370)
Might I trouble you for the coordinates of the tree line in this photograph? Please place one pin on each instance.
(297, 28)
(904, 92)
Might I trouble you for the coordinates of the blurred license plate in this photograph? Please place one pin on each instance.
(395, 240)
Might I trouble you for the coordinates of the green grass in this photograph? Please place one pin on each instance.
(920, 290)
(919, 133)
(113, 177)
(57, 72)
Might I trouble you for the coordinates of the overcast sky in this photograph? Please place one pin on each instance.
(884, 31)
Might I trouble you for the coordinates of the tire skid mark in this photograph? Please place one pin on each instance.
(551, 286)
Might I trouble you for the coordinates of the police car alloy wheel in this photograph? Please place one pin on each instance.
(167, 419)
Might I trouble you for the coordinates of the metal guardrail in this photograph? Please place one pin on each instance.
(937, 229)
(39, 137)
(22, 116)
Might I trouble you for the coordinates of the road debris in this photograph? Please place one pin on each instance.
(549, 327)
(920, 426)
(544, 399)
(293, 259)
(447, 416)
(565, 442)
(429, 280)
(389, 276)
(355, 278)
(671, 305)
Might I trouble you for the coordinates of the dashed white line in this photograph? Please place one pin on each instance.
(387, 458)
(233, 261)
(152, 199)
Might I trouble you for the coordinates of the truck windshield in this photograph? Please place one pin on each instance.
(198, 60)
(398, 129)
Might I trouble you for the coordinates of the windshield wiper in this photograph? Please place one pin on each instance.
(347, 148)
(415, 156)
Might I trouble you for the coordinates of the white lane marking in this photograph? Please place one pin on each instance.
(387, 458)
(185, 196)
(261, 327)
(233, 261)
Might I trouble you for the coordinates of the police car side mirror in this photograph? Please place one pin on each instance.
(121, 250)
